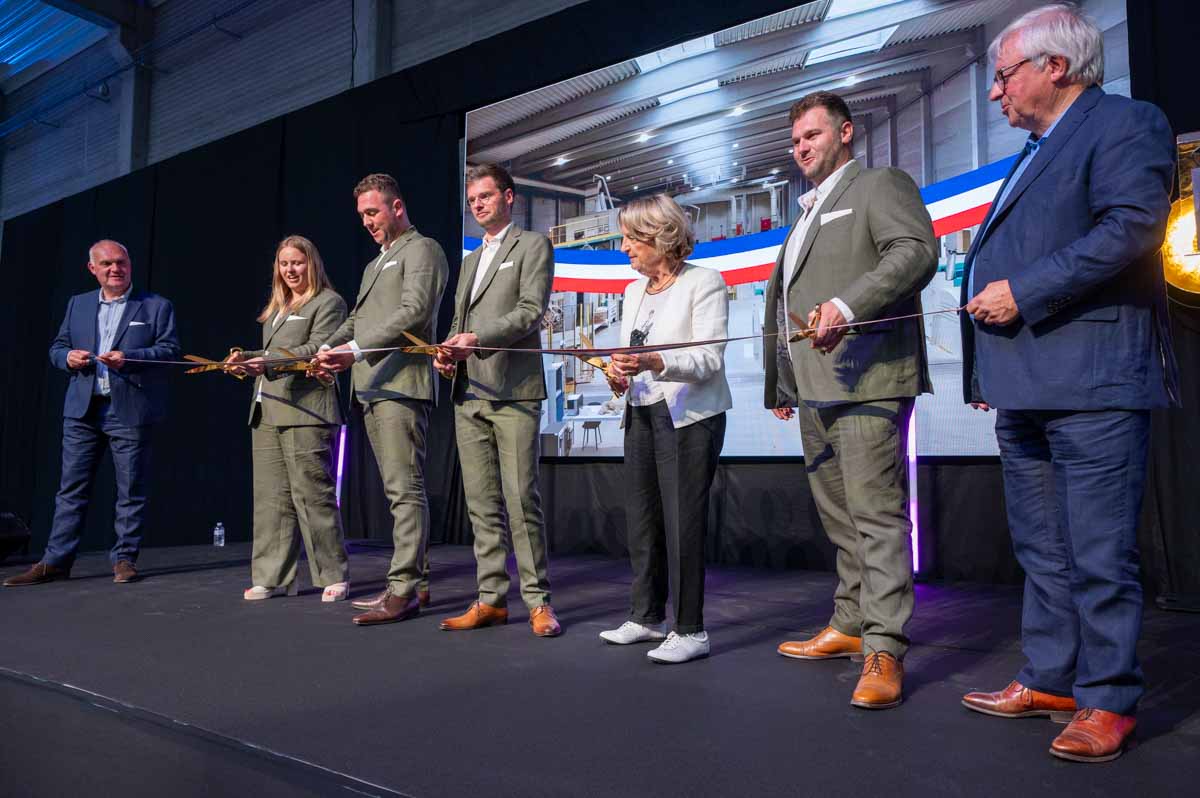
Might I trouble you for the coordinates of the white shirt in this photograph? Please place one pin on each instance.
(813, 199)
(491, 246)
(644, 390)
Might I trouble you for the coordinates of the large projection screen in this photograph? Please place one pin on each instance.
(705, 121)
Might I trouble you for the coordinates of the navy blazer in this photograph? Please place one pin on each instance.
(139, 391)
(1078, 240)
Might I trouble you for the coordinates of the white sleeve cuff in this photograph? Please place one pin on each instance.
(844, 308)
(358, 353)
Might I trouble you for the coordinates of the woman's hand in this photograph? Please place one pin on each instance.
(254, 366)
(618, 384)
(626, 365)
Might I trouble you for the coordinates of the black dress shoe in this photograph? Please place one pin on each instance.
(37, 575)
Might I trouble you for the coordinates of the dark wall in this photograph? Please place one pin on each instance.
(201, 229)
(1163, 36)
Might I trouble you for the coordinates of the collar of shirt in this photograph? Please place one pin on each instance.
(119, 300)
(491, 241)
(819, 193)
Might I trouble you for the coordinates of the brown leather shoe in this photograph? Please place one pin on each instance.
(39, 574)
(374, 602)
(392, 609)
(1094, 735)
(879, 687)
(124, 572)
(477, 616)
(828, 644)
(543, 622)
(1019, 701)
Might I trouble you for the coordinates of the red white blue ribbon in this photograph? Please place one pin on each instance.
(954, 204)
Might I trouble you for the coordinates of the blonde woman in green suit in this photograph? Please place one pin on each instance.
(293, 421)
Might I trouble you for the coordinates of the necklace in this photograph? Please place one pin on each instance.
(667, 283)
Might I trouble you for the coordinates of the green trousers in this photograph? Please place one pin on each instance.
(855, 458)
(396, 429)
(499, 448)
(294, 486)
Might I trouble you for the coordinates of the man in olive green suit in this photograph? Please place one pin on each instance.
(401, 290)
(863, 249)
(503, 291)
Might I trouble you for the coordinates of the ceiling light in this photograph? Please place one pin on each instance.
(608, 177)
(635, 188)
(737, 111)
(642, 138)
(560, 160)
(690, 91)
(850, 81)
(855, 45)
(735, 163)
(735, 146)
(670, 161)
(844, 8)
(774, 171)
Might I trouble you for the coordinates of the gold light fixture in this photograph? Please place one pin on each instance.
(1181, 258)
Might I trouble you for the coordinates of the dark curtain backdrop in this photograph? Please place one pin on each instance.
(1163, 36)
(201, 228)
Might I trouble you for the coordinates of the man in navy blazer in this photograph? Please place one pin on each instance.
(111, 402)
(1065, 335)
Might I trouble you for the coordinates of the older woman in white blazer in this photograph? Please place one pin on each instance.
(674, 425)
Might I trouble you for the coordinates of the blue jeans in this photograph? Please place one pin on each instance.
(1073, 484)
(83, 444)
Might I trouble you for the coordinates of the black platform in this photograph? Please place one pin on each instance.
(175, 685)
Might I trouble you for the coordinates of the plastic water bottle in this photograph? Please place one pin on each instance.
(219, 534)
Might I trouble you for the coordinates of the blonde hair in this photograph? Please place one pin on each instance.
(659, 221)
(281, 294)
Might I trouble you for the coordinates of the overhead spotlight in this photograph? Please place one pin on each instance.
(737, 111)
(642, 138)
(608, 177)
(735, 146)
(670, 161)
(735, 163)
(560, 160)
(850, 81)
(774, 171)
(635, 188)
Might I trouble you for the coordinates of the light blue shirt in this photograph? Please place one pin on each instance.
(107, 322)
(1031, 147)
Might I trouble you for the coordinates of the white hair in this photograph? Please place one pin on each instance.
(105, 242)
(1058, 29)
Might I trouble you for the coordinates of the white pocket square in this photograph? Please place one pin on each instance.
(829, 217)
(388, 265)
(508, 264)
(294, 317)
(138, 323)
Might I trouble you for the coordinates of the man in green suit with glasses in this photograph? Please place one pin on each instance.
(503, 291)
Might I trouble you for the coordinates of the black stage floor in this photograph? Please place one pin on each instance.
(175, 685)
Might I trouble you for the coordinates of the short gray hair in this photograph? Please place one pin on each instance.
(658, 221)
(1058, 29)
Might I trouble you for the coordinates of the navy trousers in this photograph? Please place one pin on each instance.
(1073, 484)
(84, 442)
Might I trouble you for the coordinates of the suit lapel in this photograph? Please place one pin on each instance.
(376, 268)
(270, 328)
(510, 241)
(814, 226)
(131, 306)
(466, 279)
(1054, 145)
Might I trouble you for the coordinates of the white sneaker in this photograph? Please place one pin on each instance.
(630, 632)
(258, 592)
(681, 648)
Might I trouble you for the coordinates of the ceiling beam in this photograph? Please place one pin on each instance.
(720, 62)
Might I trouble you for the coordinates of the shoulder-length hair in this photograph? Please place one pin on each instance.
(281, 295)
(659, 221)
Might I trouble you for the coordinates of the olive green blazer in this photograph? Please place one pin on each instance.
(290, 399)
(873, 248)
(400, 292)
(507, 312)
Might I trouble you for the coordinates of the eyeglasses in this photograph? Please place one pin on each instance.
(1002, 76)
